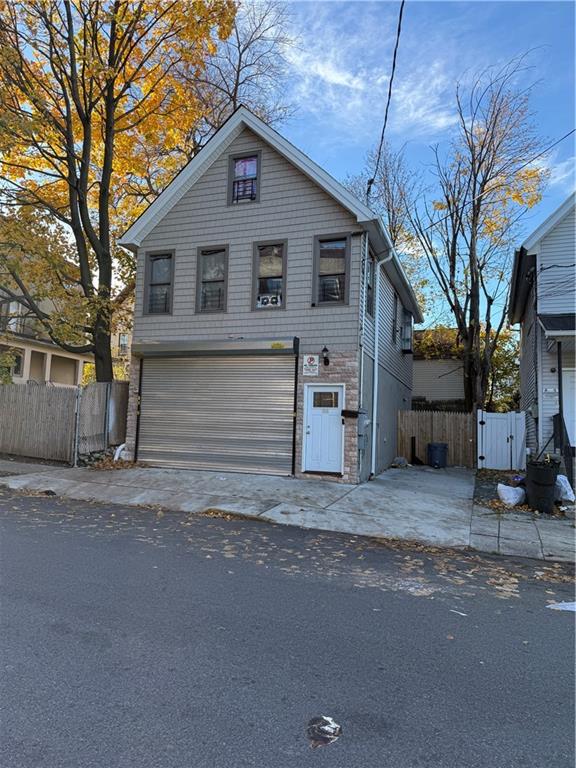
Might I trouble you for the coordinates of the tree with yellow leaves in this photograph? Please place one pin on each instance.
(90, 94)
(467, 223)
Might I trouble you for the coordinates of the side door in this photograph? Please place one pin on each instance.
(323, 428)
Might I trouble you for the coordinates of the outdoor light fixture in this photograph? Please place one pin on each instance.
(325, 356)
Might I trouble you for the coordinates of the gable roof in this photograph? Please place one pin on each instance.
(243, 118)
(524, 260)
(548, 224)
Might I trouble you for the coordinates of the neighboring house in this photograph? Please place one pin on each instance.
(264, 292)
(543, 301)
(38, 359)
(438, 374)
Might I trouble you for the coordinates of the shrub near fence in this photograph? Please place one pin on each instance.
(458, 430)
(60, 423)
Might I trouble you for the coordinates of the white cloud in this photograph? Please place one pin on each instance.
(340, 71)
(563, 174)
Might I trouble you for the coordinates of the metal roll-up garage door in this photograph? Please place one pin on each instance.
(222, 413)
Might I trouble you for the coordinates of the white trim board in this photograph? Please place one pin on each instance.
(548, 224)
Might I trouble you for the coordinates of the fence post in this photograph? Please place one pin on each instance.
(107, 414)
(76, 427)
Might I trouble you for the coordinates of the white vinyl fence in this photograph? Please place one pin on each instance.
(61, 423)
(501, 440)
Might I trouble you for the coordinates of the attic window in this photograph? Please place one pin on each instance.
(244, 172)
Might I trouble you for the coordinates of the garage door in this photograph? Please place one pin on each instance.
(221, 413)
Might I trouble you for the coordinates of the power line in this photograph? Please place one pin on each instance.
(528, 162)
(557, 266)
(380, 146)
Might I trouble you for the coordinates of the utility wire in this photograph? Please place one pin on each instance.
(381, 145)
(469, 202)
(557, 266)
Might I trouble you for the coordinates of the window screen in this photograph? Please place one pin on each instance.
(245, 178)
(332, 271)
(269, 276)
(212, 269)
(159, 283)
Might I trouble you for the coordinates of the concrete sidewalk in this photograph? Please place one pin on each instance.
(415, 504)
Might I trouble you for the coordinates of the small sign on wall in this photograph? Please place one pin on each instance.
(310, 365)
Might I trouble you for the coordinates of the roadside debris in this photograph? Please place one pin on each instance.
(322, 731)
(511, 496)
(399, 463)
(563, 490)
(562, 606)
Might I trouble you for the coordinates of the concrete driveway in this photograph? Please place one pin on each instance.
(419, 504)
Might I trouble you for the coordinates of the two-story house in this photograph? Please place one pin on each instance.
(543, 301)
(36, 358)
(270, 307)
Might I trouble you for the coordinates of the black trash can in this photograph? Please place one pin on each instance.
(540, 481)
(437, 455)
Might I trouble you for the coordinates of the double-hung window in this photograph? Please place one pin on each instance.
(331, 267)
(158, 295)
(406, 332)
(269, 275)
(244, 181)
(212, 279)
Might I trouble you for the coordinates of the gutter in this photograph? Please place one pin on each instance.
(375, 379)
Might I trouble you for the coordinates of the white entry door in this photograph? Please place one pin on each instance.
(569, 402)
(323, 430)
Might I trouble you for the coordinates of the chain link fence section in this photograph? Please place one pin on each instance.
(101, 410)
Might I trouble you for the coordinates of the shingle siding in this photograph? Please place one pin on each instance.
(291, 208)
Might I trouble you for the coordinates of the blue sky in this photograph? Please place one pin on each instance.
(339, 73)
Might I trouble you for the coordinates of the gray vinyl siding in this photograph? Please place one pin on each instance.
(367, 392)
(528, 372)
(438, 379)
(549, 389)
(291, 208)
(557, 286)
(368, 330)
(393, 396)
(391, 358)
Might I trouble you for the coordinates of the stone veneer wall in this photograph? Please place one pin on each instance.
(343, 369)
(132, 416)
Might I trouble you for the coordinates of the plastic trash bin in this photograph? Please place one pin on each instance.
(437, 455)
(540, 483)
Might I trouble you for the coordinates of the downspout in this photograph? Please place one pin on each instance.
(376, 361)
(560, 391)
(362, 319)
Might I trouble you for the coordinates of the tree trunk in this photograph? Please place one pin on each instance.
(102, 351)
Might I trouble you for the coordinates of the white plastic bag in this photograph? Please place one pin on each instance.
(511, 496)
(563, 490)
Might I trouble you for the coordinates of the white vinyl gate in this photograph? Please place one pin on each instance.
(501, 440)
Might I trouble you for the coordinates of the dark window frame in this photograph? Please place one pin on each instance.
(150, 256)
(407, 340)
(18, 365)
(197, 308)
(257, 153)
(255, 272)
(316, 274)
(370, 285)
(395, 325)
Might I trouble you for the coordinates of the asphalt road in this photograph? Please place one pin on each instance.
(132, 638)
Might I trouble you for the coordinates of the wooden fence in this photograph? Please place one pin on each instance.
(37, 421)
(458, 430)
(60, 423)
